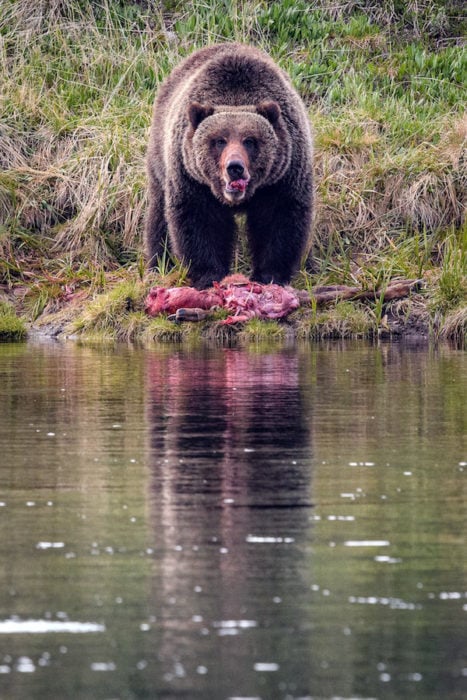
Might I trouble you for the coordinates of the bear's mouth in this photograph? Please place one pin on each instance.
(235, 189)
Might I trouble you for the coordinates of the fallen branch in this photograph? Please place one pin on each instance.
(396, 289)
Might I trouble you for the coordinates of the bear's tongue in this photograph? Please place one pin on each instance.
(238, 185)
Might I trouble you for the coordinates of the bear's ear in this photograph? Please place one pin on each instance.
(197, 112)
(270, 111)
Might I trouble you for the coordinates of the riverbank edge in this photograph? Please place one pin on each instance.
(113, 310)
(118, 316)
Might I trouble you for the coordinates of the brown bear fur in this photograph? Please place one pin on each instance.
(229, 134)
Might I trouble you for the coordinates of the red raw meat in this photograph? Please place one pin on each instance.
(247, 300)
(171, 299)
(244, 299)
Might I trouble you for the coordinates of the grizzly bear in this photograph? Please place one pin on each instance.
(229, 135)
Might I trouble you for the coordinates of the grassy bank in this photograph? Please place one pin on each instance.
(385, 86)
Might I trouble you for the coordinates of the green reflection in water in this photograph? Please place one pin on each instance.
(237, 523)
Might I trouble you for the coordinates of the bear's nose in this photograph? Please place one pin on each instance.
(235, 169)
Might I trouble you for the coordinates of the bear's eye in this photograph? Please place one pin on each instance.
(218, 143)
(250, 143)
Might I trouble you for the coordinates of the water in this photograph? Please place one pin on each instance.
(220, 524)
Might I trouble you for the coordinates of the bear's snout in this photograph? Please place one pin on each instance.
(235, 169)
(236, 175)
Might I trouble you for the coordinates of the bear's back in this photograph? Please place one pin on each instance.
(227, 74)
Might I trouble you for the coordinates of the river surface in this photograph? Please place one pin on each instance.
(233, 524)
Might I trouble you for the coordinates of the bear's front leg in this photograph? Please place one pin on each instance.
(202, 233)
(278, 229)
(155, 234)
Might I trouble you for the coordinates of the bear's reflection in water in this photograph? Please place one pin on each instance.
(230, 508)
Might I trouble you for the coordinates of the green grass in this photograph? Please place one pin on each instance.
(385, 87)
(11, 327)
(452, 282)
(117, 313)
(257, 330)
(342, 320)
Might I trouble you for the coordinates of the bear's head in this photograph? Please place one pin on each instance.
(236, 150)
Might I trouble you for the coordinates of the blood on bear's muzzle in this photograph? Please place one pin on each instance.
(235, 186)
